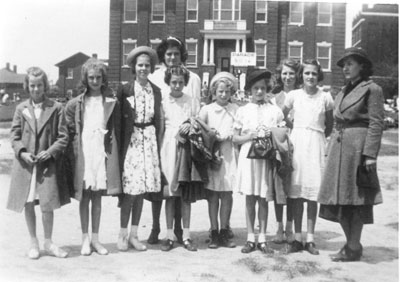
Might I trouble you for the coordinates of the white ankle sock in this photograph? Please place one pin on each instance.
(95, 237)
(297, 236)
(186, 234)
(262, 238)
(123, 232)
(170, 234)
(310, 237)
(251, 237)
(134, 231)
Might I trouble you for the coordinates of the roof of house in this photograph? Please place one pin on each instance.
(8, 76)
(78, 56)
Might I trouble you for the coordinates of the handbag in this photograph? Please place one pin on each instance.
(367, 179)
(261, 148)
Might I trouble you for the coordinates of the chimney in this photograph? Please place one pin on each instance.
(94, 55)
(8, 66)
(15, 68)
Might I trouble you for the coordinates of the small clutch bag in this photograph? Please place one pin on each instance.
(367, 179)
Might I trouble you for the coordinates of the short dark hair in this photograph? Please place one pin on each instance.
(313, 62)
(290, 63)
(176, 70)
(168, 43)
(134, 60)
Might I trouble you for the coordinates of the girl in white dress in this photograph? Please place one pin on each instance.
(220, 116)
(257, 115)
(313, 122)
(177, 109)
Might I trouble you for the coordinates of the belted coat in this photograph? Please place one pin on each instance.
(359, 123)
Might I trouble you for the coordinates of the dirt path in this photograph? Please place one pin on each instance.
(379, 263)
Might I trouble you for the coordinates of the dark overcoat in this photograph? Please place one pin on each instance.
(359, 117)
(48, 133)
(74, 116)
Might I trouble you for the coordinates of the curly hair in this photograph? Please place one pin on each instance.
(36, 72)
(313, 62)
(93, 64)
(290, 63)
(170, 42)
(176, 70)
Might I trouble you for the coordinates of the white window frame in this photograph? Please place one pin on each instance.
(192, 41)
(187, 11)
(263, 43)
(325, 45)
(124, 53)
(152, 12)
(233, 10)
(329, 13)
(290, 13)
(70, 73)
(265, 9)
(295, 44)
(136, 14)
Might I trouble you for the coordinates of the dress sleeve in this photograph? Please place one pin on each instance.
(203, 114)
(328, 101)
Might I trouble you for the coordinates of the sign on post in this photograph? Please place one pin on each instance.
(243, 59)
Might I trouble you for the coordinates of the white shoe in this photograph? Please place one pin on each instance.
(134, 241)
(122, 244)
(34, 252)
(86, 250)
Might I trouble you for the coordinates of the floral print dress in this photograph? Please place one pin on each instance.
(142, 165)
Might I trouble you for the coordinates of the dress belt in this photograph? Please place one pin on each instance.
(342, 125)
(143, 125)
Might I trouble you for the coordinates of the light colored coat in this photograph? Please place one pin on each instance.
(48, 133)
(362, 113)
(74, 115)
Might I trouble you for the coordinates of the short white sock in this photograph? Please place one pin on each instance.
(289, 226)
(251, 237)
(134, 230)
(262, 238)
(123, 232)
(297, 236)
(310, 237)
(186, 234)
(170, 234)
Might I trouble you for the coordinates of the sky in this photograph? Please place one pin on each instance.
(45, 32)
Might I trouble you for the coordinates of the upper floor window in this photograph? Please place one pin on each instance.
(130, 10)
(261, 10)
(127, 46)
(191, 10)
(296, 13)
(261, 53)
(70, 73)
(157, 10)
(324, 55)
(226, 10)
(191, 46)
(324, 13)
(295, 51)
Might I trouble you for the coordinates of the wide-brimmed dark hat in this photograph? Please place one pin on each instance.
(356, 52)
(255, 75)
(142, 50)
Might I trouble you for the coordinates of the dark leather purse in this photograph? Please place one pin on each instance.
(366, 179)
(261, 148)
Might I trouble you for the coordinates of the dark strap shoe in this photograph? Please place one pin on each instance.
(167, 245)
(249, 247)
(224, 240)
(311, 248)
(265, 248)
(153, 238)
(213, 244)
(189, 245)
(296, 247)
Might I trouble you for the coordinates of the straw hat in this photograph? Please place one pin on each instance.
(142, 50)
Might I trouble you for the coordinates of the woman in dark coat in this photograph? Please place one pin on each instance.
(352, 154)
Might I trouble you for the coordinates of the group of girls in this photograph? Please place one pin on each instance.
(130, 145)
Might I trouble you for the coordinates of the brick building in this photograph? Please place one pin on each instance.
(212, 29)
(12, 82)
(376, 29)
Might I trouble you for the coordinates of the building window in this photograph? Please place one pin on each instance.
(324, 13)
(295, 51)
(228, 10)
(191, 46)
(191, 8)
(130, 10)
(324, 50)
(261, 11)
(70, 73)
(157, 10)
(127, 46)
(261, 53)
(356, 34)
(296, 13)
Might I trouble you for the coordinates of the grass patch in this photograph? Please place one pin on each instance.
(301, 268)
(394, 225)
(252, 264)
(7, 112)
(211, 277)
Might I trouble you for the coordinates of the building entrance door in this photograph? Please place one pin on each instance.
(226, 64)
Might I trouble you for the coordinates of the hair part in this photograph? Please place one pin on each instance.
(178, 71)
(170, 42)
(292, 64)
(312, 62)
(93, 64)
(36, 72)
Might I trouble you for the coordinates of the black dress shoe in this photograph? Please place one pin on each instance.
(248, 247)
(296, 247)
(213, 243)
(341, 253)
(348, 254)
(265, 248)
(310, 247)
(167, 245)
(189, 245)
(153, 238)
